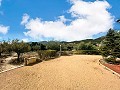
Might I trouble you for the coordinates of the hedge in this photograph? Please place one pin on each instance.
(87, 52)
(47, 54)
(66, 53)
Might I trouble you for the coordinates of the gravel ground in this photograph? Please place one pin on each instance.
(6, 65)
(78, 72)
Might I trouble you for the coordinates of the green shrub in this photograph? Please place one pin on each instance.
(66, 53)
(77, 52)
(110, 59)
(87, 52)
(47, 54)
(91, 52)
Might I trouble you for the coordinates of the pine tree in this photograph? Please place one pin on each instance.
(111, 44)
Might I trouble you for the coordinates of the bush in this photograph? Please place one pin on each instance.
(47, 54)
(87, 52)
(13, 61)
(77, 52)
(30, 54)
(110, 59)
(91, 52)
(66, 53)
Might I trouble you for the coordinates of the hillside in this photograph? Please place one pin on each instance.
(94, 41)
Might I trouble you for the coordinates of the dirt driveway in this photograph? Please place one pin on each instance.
(78, 72)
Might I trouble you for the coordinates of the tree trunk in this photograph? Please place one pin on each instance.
(18, 59)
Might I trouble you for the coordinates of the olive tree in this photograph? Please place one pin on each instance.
(19, 47)
(53, 45)
(3, 47)
(35, 46)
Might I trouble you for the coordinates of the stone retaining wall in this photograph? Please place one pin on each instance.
(30, 60)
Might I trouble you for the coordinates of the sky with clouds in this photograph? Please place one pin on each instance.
(63, 20)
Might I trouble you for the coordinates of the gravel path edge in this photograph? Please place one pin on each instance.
(11, 69)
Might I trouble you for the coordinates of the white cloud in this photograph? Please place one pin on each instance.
(25, 19)
(91, 18)
(4, 29)
(25, 40)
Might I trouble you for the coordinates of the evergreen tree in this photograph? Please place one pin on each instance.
(111, 44)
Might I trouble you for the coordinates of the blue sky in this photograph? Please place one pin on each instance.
(13, 11)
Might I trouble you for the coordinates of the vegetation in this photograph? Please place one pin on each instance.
(86, 48)
(3, 47)
(110, 47)
(45, 49)
(35, 46)
(19, 47)
(53, 45)
(93, 41)
(47, 54)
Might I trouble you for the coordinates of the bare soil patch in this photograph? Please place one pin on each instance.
(115, 68)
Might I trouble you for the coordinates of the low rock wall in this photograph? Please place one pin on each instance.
(30, 60)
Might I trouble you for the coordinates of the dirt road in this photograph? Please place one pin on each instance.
(79, 72)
